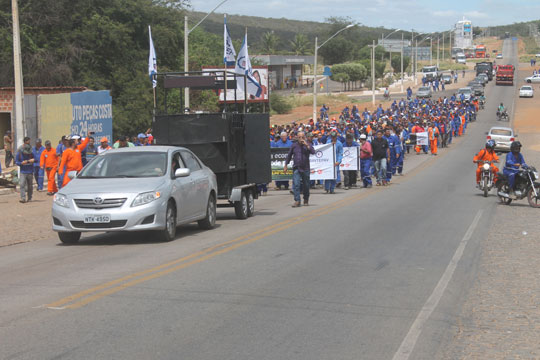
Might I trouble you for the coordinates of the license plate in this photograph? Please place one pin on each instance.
(97, 219)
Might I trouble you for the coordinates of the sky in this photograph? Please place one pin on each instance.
(420, 15)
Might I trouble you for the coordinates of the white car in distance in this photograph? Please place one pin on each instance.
(526, 91)
(533, 79)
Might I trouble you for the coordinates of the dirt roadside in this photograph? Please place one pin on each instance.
(501, 316)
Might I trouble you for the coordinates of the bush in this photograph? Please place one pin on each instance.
(280, 104)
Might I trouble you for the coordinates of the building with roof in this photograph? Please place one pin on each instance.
(284, 71)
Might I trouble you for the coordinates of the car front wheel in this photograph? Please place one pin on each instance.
(69, 237)
(210, 220)
(169, 232)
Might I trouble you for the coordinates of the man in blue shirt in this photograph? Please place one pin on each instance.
(283, 142)
(38, 171)
(330, 185)
(25, 160)
(514, 160)
(299, 152)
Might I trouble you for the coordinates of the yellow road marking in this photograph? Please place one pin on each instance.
(266, 231)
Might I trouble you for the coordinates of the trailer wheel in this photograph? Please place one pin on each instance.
(250, 203)
(241, 207)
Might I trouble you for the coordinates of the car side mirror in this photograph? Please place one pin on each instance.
(72, 175)
(182, 172)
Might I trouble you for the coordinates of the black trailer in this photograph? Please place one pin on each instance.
(234, 145)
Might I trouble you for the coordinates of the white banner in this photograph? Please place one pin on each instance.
(260, 73)
(322, 163)
(422, 138)
(350, 158)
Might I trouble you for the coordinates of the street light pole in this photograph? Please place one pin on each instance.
(430, 51)
(416, 61)
(188, 31)
(315, 68)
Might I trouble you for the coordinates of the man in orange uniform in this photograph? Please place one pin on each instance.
(49, 162)
(487, 154)
(417, 129)
(433, 136)
(71, 158)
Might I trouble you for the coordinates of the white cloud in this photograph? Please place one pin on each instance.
(445, 13)
(475, 14)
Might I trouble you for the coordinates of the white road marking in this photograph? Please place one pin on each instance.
(407, 346)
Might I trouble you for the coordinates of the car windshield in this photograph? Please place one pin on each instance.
(126, 165)
(464, 91)
(424, 88)
(501, 132)
(526, 88)
(429, 69)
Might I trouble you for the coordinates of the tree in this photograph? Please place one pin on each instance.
(341, 77)
(396, 62)
(336, 51)
(269, 42)
(300, 44)
(354, 71)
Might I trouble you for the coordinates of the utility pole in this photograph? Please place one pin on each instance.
(430, 51)
(443, 46)
(373, 73)
(19, 89)
(402, 39)
(315, 81)
(186, 61)
(438, 53)
(416, 61)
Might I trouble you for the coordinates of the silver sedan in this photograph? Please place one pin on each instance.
(138, 188)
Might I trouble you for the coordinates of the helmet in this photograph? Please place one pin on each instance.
(515, 146)
(502, 104)
(490, 144)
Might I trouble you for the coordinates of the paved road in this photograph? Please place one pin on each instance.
(375, 274)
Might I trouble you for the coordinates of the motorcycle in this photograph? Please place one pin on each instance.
(502, 116)
(525, 186)
(486, 178)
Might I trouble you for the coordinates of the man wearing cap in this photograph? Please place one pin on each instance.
(8, 147)
(366, 154)
(25, 161)
(49, 163)
(104, 145)
(299, 153)
(140, 140)
(72, 159)
(38, 171)
(349, 176)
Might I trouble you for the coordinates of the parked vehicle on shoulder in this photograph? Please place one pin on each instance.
(533, 79)
(461, 58)
(499, 56)
(526, 91)
(503, 137)
(424, 92)
(133, 189)
(446, 78)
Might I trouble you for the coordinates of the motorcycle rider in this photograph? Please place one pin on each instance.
(487, 154)
(514, 160)
(500, 110)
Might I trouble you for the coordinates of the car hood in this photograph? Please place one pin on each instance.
(108, 185)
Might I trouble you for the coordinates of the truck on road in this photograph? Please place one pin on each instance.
(485, 67)
(505, 75)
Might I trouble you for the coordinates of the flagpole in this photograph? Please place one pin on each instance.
(245, 80)
(225, 73)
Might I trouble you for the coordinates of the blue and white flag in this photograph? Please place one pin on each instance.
(229, 55)
(243, 66)
(152, 64)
